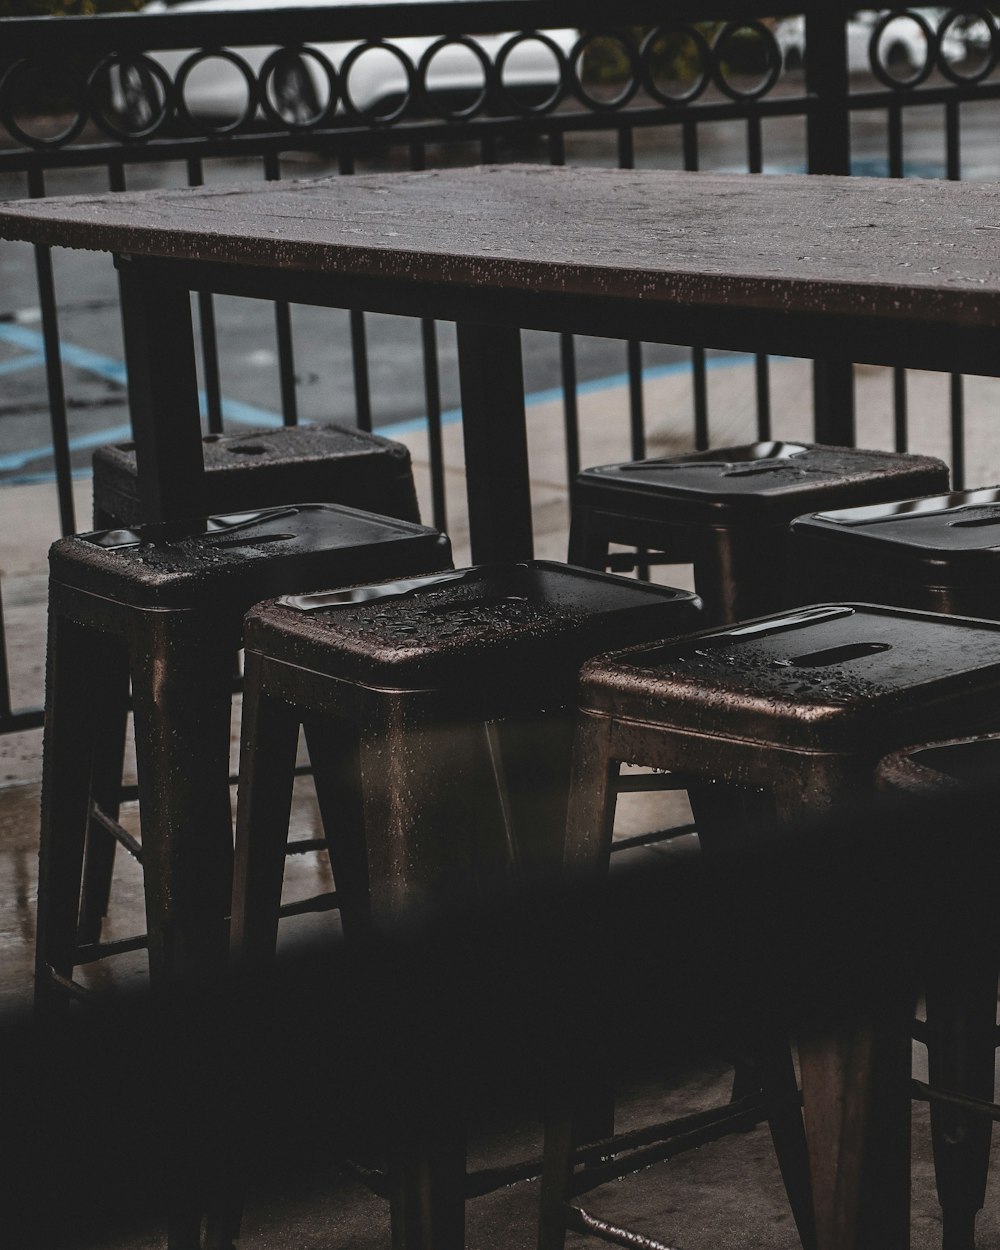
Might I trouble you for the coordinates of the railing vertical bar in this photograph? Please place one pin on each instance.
(699, 383)
(895, 138)
(359, 355)
(900, 411)
(557, 147)
(435, 442)
(206, 322)
(957, 431)
(689, 141)
(283, 326)
(637, 424)
(488, 147)
(116, 174)
(626, 147)
(762, 379)
(755, 144)
(58, 420)
(953, 140)
(5, 707)
(571, 407)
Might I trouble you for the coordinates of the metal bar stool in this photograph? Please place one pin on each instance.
(726, 511)
(399, 681)
(249, 470)
(266, 468)
(938, 553)
(787, 718)
(167, 615)
(960, 988)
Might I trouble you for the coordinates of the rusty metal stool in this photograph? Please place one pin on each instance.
(960, 1030)
(267, 468)
(939, 553)
(168, 616)
(428, 692)
(726, 511)
(790, 715)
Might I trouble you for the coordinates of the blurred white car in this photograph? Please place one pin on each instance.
(297, 86)
(902, 45)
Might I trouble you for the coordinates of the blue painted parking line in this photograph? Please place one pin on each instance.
(239, 413)
(20, 362)
(595, 385)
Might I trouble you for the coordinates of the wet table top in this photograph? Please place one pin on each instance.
(908, 249)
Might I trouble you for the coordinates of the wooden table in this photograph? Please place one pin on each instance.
(856, 269)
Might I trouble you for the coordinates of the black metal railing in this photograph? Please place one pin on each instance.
(355, 88)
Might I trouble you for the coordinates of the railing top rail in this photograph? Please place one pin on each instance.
(24, 36)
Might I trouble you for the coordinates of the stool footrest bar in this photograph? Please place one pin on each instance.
(117, 831)
(976, 1106)
(318, 902)
(649, 839)
(94, 951)
(659, 1142)
(580, 1221)
(67, 986)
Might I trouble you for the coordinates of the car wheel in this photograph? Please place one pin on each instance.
(898, 58)
(140, 97)
(295, 98)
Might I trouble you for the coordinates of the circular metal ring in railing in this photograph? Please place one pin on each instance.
(68, 81)
(647, 72)
(510, 97)
(772, 60)
(631, 86)
(136, 89)
(201, 124)
(297, 104)
(881, 70)
(371, 114)
(988, 63)
(435, 100)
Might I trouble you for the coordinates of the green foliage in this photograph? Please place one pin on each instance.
(64, 8)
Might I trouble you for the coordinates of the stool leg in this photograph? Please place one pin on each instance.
(268, 741)
(72, 692)
(588, 548)
(537, 758)
(773, 1065)
(422, 782)
(856, 1101)
(181, 694)
(109, 754)
(333, 752)
(557, 1176)
(961, 1057)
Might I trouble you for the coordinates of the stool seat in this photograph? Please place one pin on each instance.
(521, 629)
(726, 511)
(240, 558)
(939, 552)
(769, 481)
(264, 468)
(826, 678)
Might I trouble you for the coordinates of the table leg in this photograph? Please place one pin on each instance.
(496, 444)
(163, 393)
